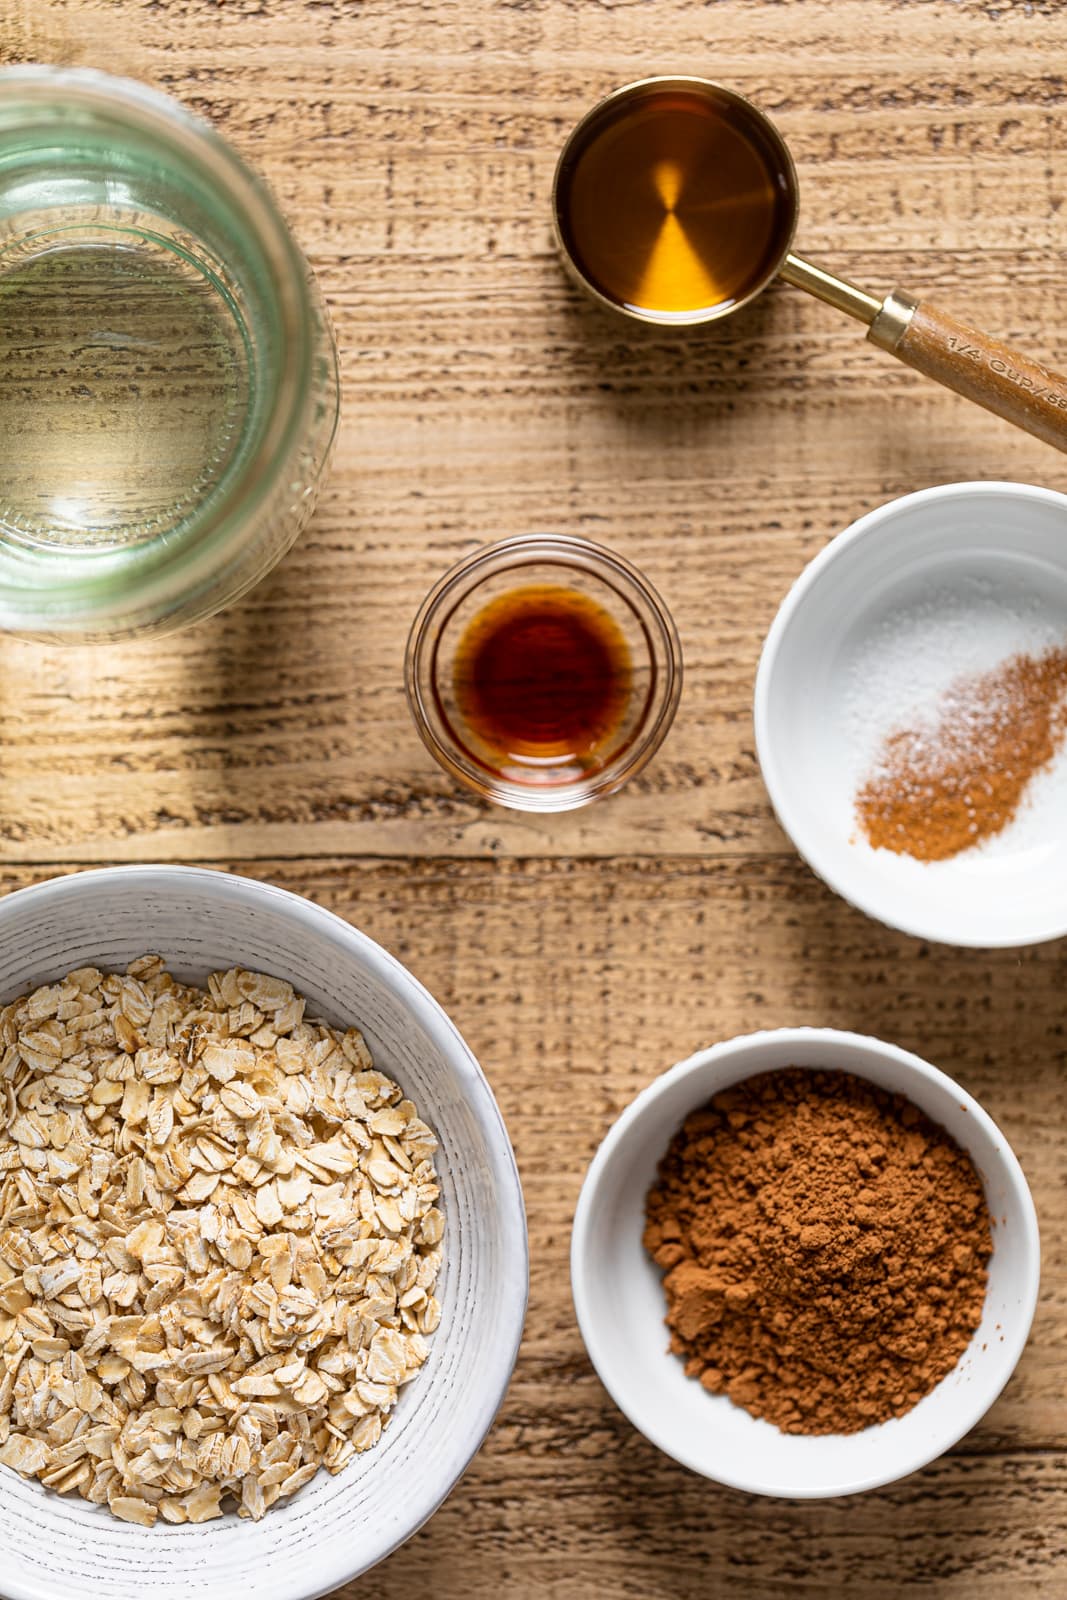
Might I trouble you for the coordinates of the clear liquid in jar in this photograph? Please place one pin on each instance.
(125, 385)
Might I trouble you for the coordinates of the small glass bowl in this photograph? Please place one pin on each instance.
(527, 561)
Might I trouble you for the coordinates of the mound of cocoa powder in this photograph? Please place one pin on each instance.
(825, 1248)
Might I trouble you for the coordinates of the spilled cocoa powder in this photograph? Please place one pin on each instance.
(825, 1248)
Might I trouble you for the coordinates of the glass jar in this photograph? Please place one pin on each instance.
(168, 378)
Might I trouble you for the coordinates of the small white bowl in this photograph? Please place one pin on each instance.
(56, 1548)
(939, 584)
(619, 1298)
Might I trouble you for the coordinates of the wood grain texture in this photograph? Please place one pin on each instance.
(412, 143)
(643, 962)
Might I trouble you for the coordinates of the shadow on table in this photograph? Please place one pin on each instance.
(966, 1010)
(759, 375)
(688, 1539)
(611, 360)
(272, 701)
(625, 1522)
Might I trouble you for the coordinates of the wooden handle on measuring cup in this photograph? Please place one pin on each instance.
(976, 366)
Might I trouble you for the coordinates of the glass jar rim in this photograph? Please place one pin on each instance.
(153, 575)
(462, 580)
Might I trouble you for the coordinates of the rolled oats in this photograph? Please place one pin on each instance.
(218, 1243)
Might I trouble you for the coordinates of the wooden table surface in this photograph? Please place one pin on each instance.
(412, 144)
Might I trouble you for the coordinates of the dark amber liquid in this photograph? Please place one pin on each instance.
(542, 677)
(673, 201)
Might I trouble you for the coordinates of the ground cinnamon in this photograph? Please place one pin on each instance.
(944, 785)
(825, 1248)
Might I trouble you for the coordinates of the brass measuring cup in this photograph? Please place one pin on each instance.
(929, 340)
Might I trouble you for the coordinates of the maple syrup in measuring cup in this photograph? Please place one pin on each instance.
(670, 201)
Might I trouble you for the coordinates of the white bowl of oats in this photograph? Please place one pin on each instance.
(263, 1259)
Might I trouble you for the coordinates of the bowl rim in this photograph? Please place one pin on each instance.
(432, 1016)
(773, 775)
(583, 1237)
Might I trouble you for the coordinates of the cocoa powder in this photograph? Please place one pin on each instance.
(825, 1248)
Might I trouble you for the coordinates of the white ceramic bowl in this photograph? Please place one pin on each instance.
(930, 587)
(336, 1528)
(618, 1291)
